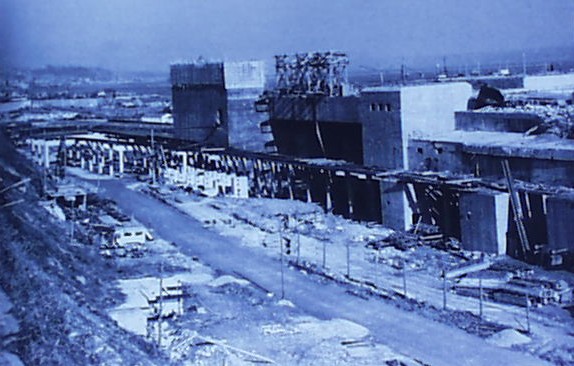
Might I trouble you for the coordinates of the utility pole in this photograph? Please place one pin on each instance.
(348, 260)
(528, 304)
(281, 261)
(480, 297)
(376, 266)
(153, 162)
(180, 300)
(444, 289)
(160, 305)
(404, 278)
(44, 183)
(324, 253)
(72, 225)
(403, 73)
(298, 246)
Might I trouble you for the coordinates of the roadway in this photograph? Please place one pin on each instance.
(407, 332)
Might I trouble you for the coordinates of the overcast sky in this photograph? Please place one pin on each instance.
(150, 34)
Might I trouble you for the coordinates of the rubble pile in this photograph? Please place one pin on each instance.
(555, 120)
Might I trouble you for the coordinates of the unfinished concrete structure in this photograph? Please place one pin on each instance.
(483, 221)
(370, 128)
(213, 103)
(560, 209)
(403, 156)
(391, 117)
(535, 142)
(426, 128)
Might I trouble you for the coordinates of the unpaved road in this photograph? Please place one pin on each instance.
(407, 332)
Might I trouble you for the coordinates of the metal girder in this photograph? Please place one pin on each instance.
(322, 73)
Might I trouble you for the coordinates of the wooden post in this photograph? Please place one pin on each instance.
(160, 305)
(376, 266)
(444, 289)
(480, 296)
(404, 278)
(527, 314)
(348, 260)
(180, 300)
(281, 256)
(298, 247)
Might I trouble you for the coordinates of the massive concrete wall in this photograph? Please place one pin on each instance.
(200, 113)
(332, 140)
(429, 109)
(384, 140)
(199, 73)
(199, 102)
(332, 109)
(483, 221)
(538, 171)
(536, 159)
(549, 82)
(244, 122)
(244, 83)
(214, 103)
(428, 155)
(244, 75)
(392, 116)
(396, 212)
(494, 121)
(560, 213)
(498, 82)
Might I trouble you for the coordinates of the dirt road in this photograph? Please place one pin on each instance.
(414, 335)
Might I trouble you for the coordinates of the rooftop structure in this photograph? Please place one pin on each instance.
(323, 73)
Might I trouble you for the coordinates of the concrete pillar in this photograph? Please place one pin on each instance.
(560, 210)
(121, 161)
(396, 211)
(484, 221)
(241, 187)
(82, 162)
(111, 161)
(101, 164)
(184, 166)
(35, 151)
(46, 154)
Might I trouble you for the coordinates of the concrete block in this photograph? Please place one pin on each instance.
(244, 74)
(494, 121)
(560, 213)
(549, 82)
(484, 221)
(240, 187)
(396, 211)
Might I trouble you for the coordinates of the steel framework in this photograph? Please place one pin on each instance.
(322, 73)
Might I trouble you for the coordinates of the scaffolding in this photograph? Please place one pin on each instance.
(322, 73)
